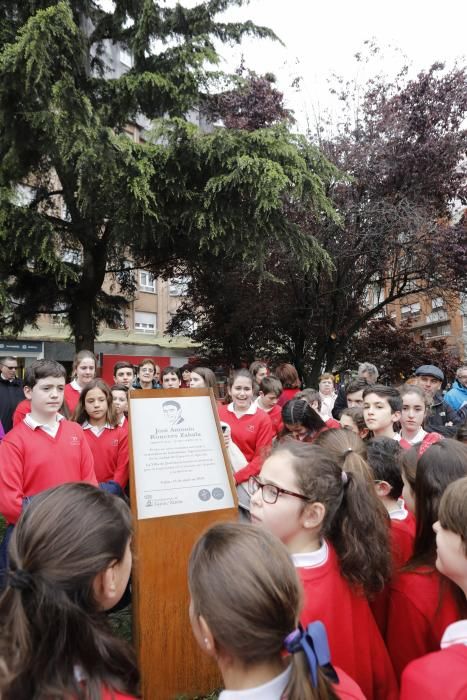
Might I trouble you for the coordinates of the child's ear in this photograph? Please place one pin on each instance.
(27, 392)
(208, 642)
(383, 489)
(260, 393)
(364, 433)
(396, 416)
(105, 587)
(313, 515)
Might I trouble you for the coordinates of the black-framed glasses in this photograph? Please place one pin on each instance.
(270, 492)
(8, 367)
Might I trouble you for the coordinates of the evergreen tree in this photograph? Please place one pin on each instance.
(79, 199)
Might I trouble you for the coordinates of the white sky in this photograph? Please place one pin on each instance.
(321, 38)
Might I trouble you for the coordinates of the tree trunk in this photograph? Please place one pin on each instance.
(82, 325)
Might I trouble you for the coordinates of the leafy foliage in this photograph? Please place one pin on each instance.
(78, 198)
(402, 148)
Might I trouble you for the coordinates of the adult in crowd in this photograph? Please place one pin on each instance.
(11, 391)
(366, 371)
(327, 394)
(441, 417)
(457, 396)
(146, 378)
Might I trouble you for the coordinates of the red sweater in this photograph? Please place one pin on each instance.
(287, 395)
(421, 606)
(21, 410)
(275, 416)
(110, 452)
(71, 397)
(442, 674)
(32, 461)
(252, 433)
(355, 642)
(108, 694)
(346, 689)
(402, 539)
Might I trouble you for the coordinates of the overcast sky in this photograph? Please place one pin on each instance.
(322, 37)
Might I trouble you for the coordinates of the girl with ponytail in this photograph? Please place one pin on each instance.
(70, 561)
(249, 622)
(325, 510)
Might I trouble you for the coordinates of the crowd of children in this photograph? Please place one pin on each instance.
(351, 574)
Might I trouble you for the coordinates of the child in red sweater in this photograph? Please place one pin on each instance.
(302, 422)
(106, 437)
(334, 527)
(251, 429)
(270, 390)
(442, 674)
(42, 451)
(84, 369)
(249, 623)
(419, 595)
(70, 561)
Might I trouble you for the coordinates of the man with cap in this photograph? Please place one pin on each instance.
(441, 416)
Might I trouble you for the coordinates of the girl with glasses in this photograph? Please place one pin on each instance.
(332, 523)
(249, 622)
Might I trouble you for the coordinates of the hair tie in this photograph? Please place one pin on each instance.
(314, 642)
(345, 478)
(349, 449)
(21, 580)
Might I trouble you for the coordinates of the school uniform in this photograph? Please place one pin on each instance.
(252, 433)
(72, 393)
(21, 411)
(354, 639)
(34, 458)
(275, 689)
(421, 605)
(109, 447)
(287, 395)
(275, 416)
(422, 439)
(108, 694)
(402, 538)
(442, 674)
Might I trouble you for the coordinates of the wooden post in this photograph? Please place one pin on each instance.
(171, 663)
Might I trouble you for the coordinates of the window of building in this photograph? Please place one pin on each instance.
(178, 286)
(437, 330)
(145, 322)
(437, 303)
(147, 282)
(410, 311)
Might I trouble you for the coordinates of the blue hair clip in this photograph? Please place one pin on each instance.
(314, 642)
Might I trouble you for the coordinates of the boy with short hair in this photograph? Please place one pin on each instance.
(382, 456)
(382, 406)
(354, 392)
(270, 389)
(171, 378)
(45, 449)
(124, 373)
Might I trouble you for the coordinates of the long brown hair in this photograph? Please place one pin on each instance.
(453, 510)
(251, 614)
(440, 465)
(355, 521)
(80, 414)
(51, 624)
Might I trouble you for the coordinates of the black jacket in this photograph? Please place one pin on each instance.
(11, 393)
(439, 414)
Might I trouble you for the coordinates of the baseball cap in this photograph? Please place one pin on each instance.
(430, 371)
